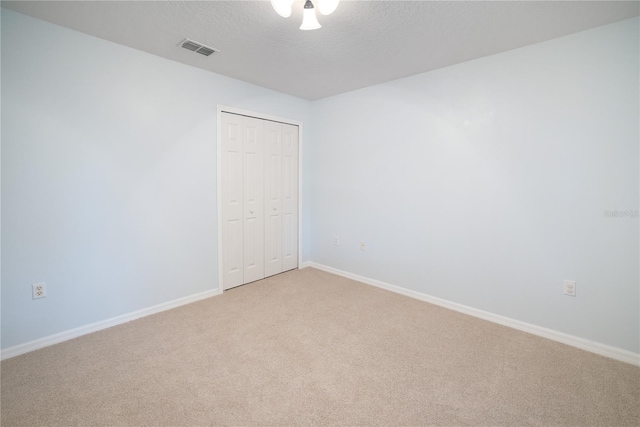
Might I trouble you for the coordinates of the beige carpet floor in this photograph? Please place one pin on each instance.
(310, 348)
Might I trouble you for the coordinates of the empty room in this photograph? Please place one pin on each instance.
(320, 212)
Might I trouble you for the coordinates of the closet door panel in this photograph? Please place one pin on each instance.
(289, 197)
(232, 197)
(253, 199)
(273, 198)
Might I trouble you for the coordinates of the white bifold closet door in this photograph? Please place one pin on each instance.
(289, 197)
(259, 198)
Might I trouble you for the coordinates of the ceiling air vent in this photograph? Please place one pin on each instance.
(197, 47)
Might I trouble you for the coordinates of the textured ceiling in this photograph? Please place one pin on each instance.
(361, 44)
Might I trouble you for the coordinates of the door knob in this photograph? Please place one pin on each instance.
(250, 211)
(275, 209)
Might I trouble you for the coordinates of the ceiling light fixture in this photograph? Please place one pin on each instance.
(309, 19)
(283, 7)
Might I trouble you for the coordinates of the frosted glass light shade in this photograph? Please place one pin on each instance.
(283, 7)
(309, 20)
(327, 7)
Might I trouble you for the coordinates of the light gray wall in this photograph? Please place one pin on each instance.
(108, 176)
(486, 183)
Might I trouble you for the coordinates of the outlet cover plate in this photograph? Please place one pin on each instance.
(570, 288)
(39, 290)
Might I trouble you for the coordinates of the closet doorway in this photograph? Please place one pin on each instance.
(258, 196)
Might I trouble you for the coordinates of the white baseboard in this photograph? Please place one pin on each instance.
(581, 343)
(104, 324)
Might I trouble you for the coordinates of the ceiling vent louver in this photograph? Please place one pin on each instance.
(197, 47)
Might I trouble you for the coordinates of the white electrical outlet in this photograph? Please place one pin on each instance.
(39, 290)
(336, 240)
(570, 288)
(363, 246)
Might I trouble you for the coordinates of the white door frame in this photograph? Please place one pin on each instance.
(233, 110)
